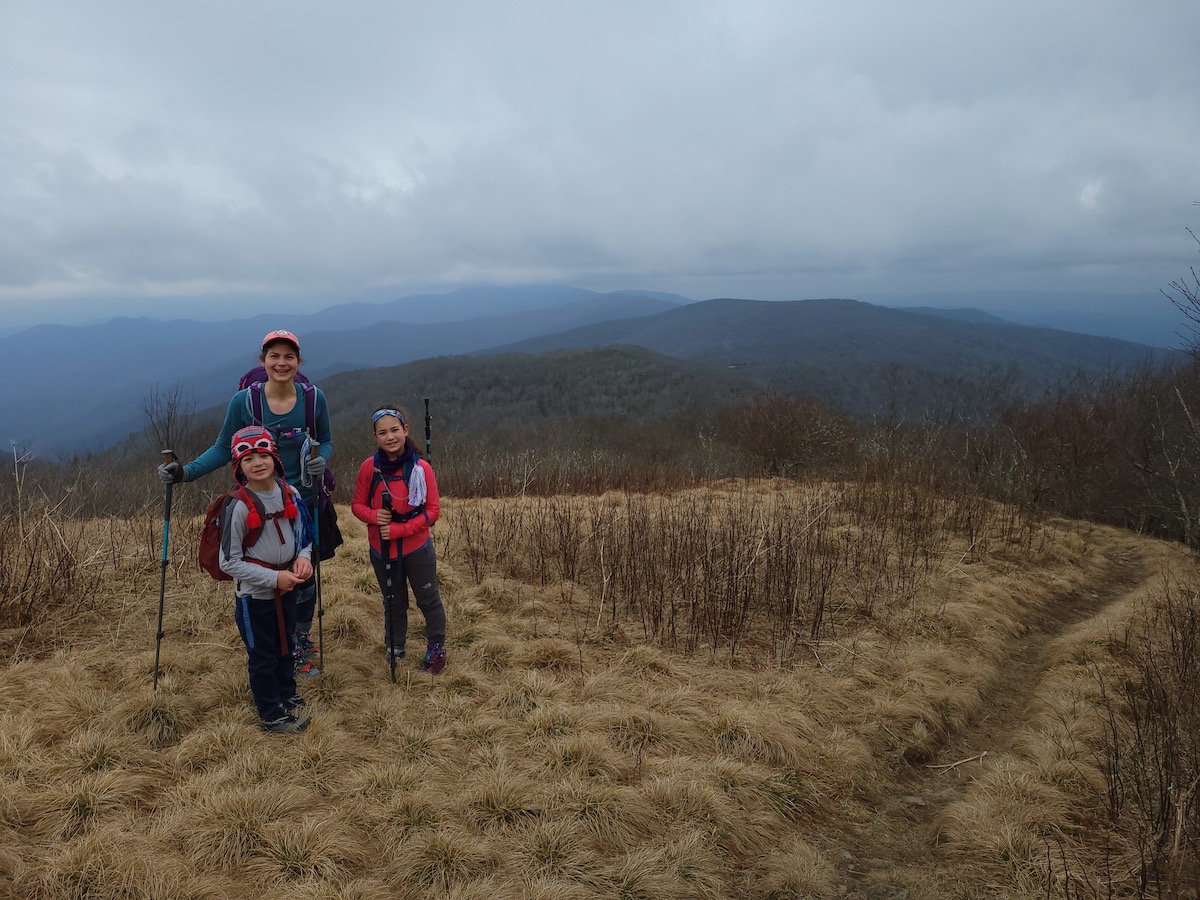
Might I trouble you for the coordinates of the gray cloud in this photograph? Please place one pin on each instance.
(295, 150)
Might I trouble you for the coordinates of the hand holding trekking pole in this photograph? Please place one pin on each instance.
(383, 518)
(167, 463)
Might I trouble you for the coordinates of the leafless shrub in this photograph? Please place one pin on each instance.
(53, 556)
(1152, 751)
(791, 434)
(724, 570)
(1184, 294)
(168, 415)
(45, 571)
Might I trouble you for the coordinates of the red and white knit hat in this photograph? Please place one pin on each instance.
(256, 439)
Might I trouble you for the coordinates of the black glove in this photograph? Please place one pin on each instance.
(170, 473)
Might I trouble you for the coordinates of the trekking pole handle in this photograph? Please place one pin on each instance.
(168, 458)
(428, 449)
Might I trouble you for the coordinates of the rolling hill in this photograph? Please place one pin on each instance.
(861, 357)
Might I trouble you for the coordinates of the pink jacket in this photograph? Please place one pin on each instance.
(414, 533)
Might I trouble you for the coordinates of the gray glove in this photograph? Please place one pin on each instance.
(314, 466)
(170, 473)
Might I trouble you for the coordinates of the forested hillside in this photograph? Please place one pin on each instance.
(868, 360)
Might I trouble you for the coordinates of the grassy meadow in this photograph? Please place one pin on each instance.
(751, 689)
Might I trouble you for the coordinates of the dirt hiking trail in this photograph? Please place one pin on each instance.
(903, 836)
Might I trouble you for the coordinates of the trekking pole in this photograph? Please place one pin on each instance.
(390, 590)
(168, 457)
(428, 450)
(389, 597)
(317, 567)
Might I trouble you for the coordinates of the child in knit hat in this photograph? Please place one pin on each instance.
(267, 551)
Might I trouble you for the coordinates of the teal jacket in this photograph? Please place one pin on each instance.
(289, 431)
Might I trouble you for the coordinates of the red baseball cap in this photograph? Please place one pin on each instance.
(273, 336)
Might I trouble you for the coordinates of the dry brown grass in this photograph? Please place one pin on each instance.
(568, 751)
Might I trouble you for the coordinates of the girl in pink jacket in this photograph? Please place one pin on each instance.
(396, 495)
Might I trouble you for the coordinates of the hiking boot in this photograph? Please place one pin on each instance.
(435, 659)
(398, 654)
(295, 706)
(304, 668)
(287, 723)
(305, 645)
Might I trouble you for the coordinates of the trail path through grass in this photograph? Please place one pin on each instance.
(905, 835)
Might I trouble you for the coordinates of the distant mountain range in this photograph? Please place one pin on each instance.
(1149, 317)
(76, 388)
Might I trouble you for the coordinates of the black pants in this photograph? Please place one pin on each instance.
(306, 604)
(418, 570)
(269, 663)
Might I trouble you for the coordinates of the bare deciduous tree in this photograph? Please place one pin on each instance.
(168, 415)
(1185, 295)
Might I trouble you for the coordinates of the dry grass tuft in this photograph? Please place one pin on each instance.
(556, 850)
(501, 798)
(234, 824)
(646, 661)
(611, 816)
(587, 755)
(67, 808)
(113, 863)
(444, 860)
(549, 653)
(308, 850)
(209, 747)
(162, 717)
(795, 871)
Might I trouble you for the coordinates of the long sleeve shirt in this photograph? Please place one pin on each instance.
(289, 431)
(281, 541)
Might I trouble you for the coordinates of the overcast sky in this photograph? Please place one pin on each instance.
(168, 158)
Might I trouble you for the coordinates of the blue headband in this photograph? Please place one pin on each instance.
(380, 413)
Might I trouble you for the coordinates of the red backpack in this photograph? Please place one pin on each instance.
(210, 534)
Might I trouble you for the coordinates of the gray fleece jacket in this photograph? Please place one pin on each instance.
(276, 545)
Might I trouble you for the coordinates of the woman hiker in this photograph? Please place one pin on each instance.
(285, 410)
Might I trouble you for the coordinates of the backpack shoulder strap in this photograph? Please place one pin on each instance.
(405, 474)
(254, 400)
(252, 502)
(310, 407)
